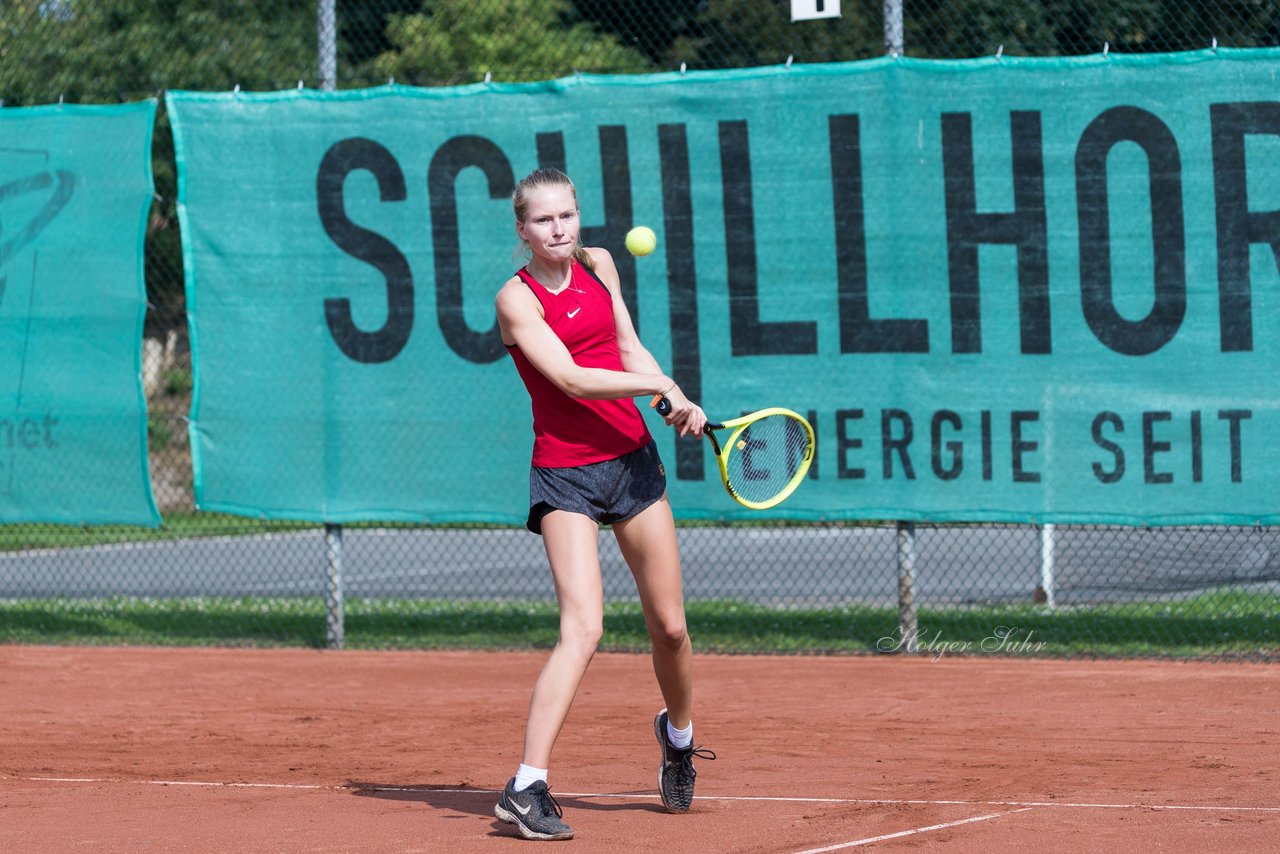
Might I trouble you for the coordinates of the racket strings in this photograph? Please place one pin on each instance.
(766, 457)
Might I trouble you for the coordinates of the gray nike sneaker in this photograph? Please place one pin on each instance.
(676, 774)
(533, 811)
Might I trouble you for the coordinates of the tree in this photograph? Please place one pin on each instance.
(650, 26)
(459, 41)
(362, 31)
(104, 52)
(738, 33)
(1143, 26)
(971, 28)
(108, 52)
(967, 28)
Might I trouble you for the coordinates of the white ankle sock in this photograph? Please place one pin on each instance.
(527, 775)
(680, 738)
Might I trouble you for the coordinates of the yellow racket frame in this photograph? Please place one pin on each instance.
(737, 426)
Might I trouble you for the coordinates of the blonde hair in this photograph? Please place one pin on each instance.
(546, 176)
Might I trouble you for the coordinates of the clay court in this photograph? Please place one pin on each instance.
(151, 749)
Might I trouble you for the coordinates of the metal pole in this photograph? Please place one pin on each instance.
(335, 634)
(893, 27)
(327, 44)
(335, 624)
(908, 625)
(1046, 563)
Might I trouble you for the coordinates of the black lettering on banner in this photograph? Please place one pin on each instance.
(615, 182)
(748, 445)
(1113, 126)
(551, 150)
(456, 154)
(1116, 472)
(1197, 448)
(1151, 447)
(28, 433)
(749, 335)
(985, 429)
(1238, 226)
(955, 449)
(845, 442)
(896, 444)
(1025, 227)
(1020, 446)
(58, 200)
(1233, 417)
(49, 422)
(682, 283)
(813, 463)
(343, 158)
(859, 332)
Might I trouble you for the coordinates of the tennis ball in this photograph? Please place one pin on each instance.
(641, 240)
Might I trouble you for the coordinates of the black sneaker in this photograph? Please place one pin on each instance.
(676, 774)
(533, 811)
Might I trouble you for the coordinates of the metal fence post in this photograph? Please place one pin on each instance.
(1046, 563)
(327, 59)
(335, 630)
(327, 44)
(893, 27)
(908, 625)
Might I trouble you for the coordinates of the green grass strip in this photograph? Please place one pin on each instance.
(1233, 624)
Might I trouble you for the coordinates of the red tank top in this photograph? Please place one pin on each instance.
(569, 431)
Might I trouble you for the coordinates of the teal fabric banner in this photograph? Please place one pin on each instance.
(75, 191)
(1024, 290)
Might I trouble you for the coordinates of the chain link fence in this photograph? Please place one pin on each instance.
(205, 578)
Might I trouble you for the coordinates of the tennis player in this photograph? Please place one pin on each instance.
(594, 463)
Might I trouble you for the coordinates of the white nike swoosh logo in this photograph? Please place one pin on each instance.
(520, 809)
(575, 311)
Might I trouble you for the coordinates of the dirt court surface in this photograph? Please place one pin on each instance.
(221, 750)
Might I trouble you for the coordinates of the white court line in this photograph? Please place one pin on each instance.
(203, 783)
(654, 796)
(873, 839)
(1062, 804)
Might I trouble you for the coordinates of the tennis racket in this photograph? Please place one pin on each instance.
(764, 457)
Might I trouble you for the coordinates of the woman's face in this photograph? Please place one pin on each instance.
(550, 224)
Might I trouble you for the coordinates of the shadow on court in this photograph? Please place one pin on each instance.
(480, 801)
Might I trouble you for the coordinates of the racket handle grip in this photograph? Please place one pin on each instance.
(661, 404)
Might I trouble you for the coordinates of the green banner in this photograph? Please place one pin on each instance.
(1002, 289)
(75, 190)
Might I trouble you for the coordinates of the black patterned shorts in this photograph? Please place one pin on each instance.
(607, 492)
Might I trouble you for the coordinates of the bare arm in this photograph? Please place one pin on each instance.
(521, 321)
(685, 415)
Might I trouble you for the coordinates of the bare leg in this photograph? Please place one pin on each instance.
(648, 543)
(571, 540)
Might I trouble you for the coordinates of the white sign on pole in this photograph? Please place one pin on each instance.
(809, 10)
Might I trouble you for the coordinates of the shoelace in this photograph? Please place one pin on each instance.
(547, 798)
(685, 772)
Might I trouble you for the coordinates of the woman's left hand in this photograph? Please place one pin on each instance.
(685, 415)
